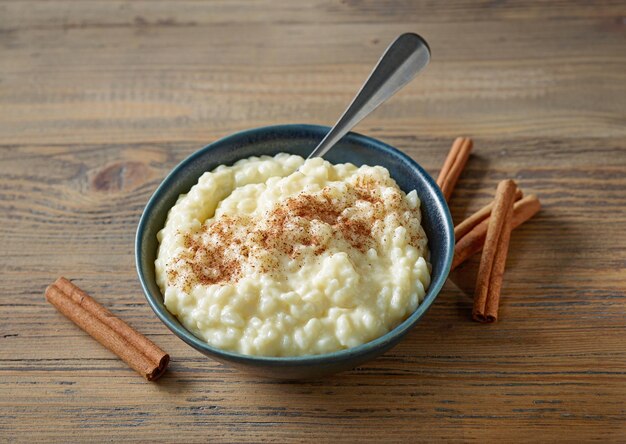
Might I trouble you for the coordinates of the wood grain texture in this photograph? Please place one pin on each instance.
(100, 99)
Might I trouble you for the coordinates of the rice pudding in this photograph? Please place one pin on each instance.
(278, 256)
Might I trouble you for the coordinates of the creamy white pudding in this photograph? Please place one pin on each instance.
(276, 256)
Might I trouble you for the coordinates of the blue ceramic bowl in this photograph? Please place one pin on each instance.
(297, 139)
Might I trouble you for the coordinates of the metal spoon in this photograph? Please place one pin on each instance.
(403, 59)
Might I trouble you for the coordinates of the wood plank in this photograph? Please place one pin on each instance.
(180, 84)
(159, 13)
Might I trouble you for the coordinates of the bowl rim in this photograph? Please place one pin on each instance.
(341, 355)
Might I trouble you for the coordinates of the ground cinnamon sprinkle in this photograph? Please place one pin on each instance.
(313, 207)
(358, 233)
(212, 264)
(221, 251)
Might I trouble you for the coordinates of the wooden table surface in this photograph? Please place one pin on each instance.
(99, 100)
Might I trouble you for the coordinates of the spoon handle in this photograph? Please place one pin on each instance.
(402, 60)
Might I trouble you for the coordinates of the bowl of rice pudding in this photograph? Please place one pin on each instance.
(294, 268)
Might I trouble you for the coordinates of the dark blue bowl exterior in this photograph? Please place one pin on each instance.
(296, 139)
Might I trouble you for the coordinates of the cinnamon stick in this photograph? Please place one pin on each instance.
(472, 241)
(493, 258)
(466, 226)
(132, 347)
(454, 164)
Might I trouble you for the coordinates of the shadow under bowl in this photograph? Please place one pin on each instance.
(296, 139)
